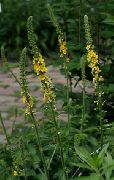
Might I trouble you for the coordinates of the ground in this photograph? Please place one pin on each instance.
(10, 98)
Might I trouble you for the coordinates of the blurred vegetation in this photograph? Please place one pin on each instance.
(70, 16)
(13, 23)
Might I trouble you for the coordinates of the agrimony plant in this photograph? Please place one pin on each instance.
(63, 54)
(46, 85)
(93, 63)
(83, 119)
(28, 100)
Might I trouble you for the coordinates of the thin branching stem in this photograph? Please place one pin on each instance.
(4, 129)
(14, 76)
(6, 64)
(58, 133)
(52, 156)
(39, 144)
(100, 102)
(29, 103)
(67, 93)
(23, 157)
(83, 94)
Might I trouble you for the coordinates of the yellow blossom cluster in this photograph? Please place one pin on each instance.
(15, 173)
(92, 58)
(62, 47)
(39, 66)
(46, 84)
(28, 101)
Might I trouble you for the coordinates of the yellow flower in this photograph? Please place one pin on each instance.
(92, 58)
(62, 46)
(24, 99)
(15, 173)
(88, 46)
(46, 84)
(29, 103)
(42, 77)
(48, 96)
(101, 78)
(39, 65)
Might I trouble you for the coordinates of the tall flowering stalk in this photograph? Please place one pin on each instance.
(26, 97)
(39, 66)
(4, 129)
(93, 61)
(83, 93)
(63, 52)
(92, 56)
(28, 101)
(46, 84)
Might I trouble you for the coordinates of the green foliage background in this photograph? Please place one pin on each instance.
(70, 16)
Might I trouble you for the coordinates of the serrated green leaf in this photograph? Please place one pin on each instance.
(86, 157)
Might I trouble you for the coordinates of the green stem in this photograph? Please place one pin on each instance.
(52, 157)
(100, 114)
(14, 76)
(39, 144)
(4, 129)
(83, 109)
(6, 64)
(83, 93)
(23, 158)
(58, 133)
(15, 117)
(67, 94)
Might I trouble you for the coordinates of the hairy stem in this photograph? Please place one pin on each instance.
(23, 158)
(58, 133)
(100, 102)
(67, 93)
(83, 93)
(14, 76)
(4, 129)
(6, 64)
(39, 144)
